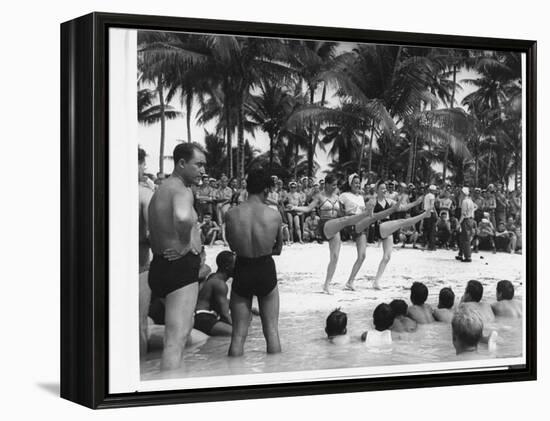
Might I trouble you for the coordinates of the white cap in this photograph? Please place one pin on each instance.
(432, 187)
(466, 191)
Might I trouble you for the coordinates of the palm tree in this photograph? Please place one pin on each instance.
(493, 107)
(156, 63)
(270, 111)
(149, 113)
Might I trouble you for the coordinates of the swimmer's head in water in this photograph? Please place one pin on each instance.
(189, 162)
(446, 298)
(474, 291)
(337, 323)
(399, 307)
(382, 317)
(258, 180)
(419, 293)
(225, 261)
(467, 326)
(505, 290)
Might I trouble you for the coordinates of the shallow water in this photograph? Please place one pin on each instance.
(305, 348)
(301, 270)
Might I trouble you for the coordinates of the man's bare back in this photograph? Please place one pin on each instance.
(507, 308)
(254, 232)
(421, 314)
(252, 229)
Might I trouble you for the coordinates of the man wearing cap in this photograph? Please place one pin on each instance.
(466, 225)
(204, 197)
(429, 224)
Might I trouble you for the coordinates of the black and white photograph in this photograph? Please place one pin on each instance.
(313, 209)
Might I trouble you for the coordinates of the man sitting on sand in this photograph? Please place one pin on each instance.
(408, 234)
(209, 229)
(472, 297)
(212, 311)
(506, 306)
(382, 319)
(254, 233)
(420, 312)
(444, 311)
(336, 327)
(401, 323)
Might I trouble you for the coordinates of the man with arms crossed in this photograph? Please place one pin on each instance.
(254, 233)
(176, 245)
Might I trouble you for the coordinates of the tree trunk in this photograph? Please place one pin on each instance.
(447, 146)
(369, 161)
(412, 148)
(271, 142)
(240, 150)
(445, 162)
(489, 164)
(296, 160)
(312, 137)
(162, 124)
(229, 145)
(188, 106)
(362, 151)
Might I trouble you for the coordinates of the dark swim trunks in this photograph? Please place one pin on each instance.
(352, 232)
(254, 276)
(205, 321)
(321, 229)
(167, 276)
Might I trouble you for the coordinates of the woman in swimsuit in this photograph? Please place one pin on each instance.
(331, 223)
(294, 199)
(386, 227)
(354, 204)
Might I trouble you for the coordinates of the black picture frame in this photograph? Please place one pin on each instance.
(85, 199)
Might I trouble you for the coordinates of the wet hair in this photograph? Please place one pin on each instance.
(419, 293)
(467, 326)
(399, 307)
(186, 151)
(329, 179)
(337, 322)
(475, 290)
(224, 260)
(258, 180)
(383, 317)
(141, 156)
(506, 289)
(446, 298)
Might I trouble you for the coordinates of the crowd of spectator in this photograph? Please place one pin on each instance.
(497, 216)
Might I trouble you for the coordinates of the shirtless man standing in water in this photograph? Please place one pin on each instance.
(254, 233)
(176, 245)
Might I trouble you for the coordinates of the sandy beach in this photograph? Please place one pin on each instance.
(301, 272)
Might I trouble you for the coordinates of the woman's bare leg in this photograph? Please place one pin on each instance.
(334, 226)
(389, 227)
(297, 228)
(371, 219)
(290, 221)
(387, 244)
(334, 249)
(361, 244)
